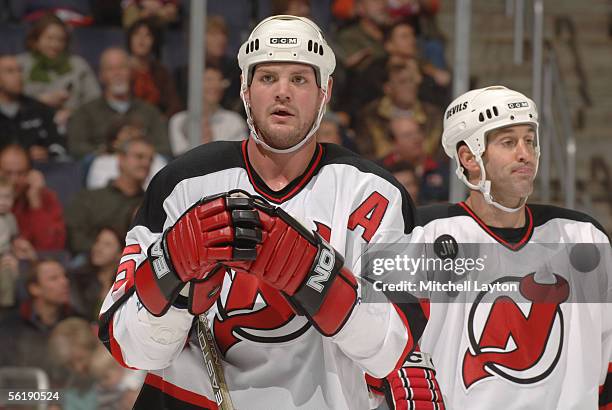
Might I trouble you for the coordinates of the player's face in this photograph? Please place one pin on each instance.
(510, 162)
(284, 100)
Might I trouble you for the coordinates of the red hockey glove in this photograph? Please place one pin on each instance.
(215, 229)
(414, 385)
(305, 268)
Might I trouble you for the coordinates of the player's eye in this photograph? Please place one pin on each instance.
(266, 78)
(299, 79)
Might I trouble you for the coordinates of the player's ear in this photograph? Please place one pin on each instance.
(468, 161)
(330, 84)
(247, 96)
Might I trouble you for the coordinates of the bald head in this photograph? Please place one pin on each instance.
(15, 165)
(115, 73)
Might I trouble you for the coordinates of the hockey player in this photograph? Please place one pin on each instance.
(549, 344)
(287, 317)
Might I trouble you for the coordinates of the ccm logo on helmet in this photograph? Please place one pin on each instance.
(284, 40)
(522, 104)
(325, 263)
(455, 109)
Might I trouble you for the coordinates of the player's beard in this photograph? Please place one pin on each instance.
(284, 139)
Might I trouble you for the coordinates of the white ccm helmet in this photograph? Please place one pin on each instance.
(288, 39)
(472, 115)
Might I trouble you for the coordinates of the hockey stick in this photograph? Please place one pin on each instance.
(213, 364)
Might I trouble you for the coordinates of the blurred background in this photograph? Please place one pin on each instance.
(97, 96)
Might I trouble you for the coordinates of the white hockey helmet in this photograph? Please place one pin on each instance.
(471, 116)
(291, 39)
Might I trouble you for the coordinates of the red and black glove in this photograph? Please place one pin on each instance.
(308, 271)
(413, 386)
(216, 229)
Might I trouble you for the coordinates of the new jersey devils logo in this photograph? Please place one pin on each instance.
(251, 310)
(518, 342)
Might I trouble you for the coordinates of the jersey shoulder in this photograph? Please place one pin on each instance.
(429, 213)
(546, 213)
(335, 154)
(202, 160)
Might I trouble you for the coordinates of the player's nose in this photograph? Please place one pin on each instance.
(283, 90)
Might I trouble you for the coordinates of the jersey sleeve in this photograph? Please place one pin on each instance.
(382, 216)
(135, 338)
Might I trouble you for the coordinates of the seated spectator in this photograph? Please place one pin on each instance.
(332, 131)
(23, 120)
(108, 376)
(105, 166)
(164, 11)
(400, 99)
(72, 344)
(89, 125)
(401, 45)
(91, 283)
(38, 210)
(151, 80)
(404, 172)
(26, 330)
(52, 75)
(218, 124)
(408, 146)
(113, 205)
(361, 43)
(8, 231)
(300, 8)
(216, 41)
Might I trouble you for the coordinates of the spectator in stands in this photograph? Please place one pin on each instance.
(8, 231)
(361, 43)
(300, 8)
(24, 120)
(331, 130)
(216, 41)
(37, 209)
(408, 147)
(72, 344)
(89, 125)
(105, 166)
(113, 205)
(401, 44)
(218, 124)
(400, 98)
(91, 283)
(108, 375)
(151, 80)
(26, 330)
(165, 12)
(52, 75)
(405, 174)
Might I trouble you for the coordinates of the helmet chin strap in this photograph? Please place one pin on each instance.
(260, 141)
(484, 186)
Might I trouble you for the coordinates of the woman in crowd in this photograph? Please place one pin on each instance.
(91, 282)
(151, 80)
(53, 75)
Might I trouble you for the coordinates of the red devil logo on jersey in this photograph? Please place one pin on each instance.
(520, 347)
(254, 311)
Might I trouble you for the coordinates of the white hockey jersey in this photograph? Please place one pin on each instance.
(547, 345)
(273, 359)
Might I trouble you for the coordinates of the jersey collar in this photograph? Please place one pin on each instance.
(292, 189)
(513, 246)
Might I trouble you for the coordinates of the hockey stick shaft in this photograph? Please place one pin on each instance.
(214, 369)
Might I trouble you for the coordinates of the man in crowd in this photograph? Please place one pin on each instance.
(89, 124)
(37, 209)
(115, 204)
(23, 120)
